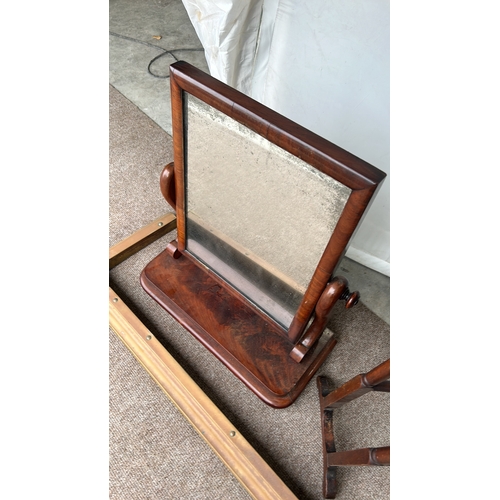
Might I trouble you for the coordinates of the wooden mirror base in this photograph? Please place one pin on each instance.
(252, 346)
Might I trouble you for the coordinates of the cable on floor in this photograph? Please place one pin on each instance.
(165, 52)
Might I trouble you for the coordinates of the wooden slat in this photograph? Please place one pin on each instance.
(141, 239)
(233, 449)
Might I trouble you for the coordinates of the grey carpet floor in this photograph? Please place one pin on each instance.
(154, 452)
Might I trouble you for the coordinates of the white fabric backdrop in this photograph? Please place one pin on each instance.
(323, 64)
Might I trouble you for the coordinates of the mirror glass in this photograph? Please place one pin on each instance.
(257, 215)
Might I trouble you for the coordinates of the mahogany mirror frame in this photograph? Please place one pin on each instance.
(273, 361)
(362, 178)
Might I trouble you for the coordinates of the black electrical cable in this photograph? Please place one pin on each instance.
(165, 52)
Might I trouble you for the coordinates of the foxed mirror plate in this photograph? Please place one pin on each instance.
(258, 216)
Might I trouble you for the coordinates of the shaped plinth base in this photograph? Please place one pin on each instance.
(253, 347)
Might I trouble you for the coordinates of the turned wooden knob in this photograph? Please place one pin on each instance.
(352, 299)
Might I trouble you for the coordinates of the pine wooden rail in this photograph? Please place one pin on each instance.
(231, 447)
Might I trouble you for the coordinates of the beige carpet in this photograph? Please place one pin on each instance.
(154, 452)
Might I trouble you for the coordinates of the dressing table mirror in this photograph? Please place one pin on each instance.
(265, 211)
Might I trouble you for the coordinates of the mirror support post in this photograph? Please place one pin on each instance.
(336, 289)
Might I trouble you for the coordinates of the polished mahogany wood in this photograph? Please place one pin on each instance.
(335, 290)
(177, 102)
(167, 184)
(376, 379)
(251, 470)
(255, 349)
(358, 385)
(362, 456)
(362, 178)
(275, 363)
(172, 250)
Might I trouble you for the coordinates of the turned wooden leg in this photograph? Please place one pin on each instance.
(329, 472)
(375, 380)
(361, 456)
